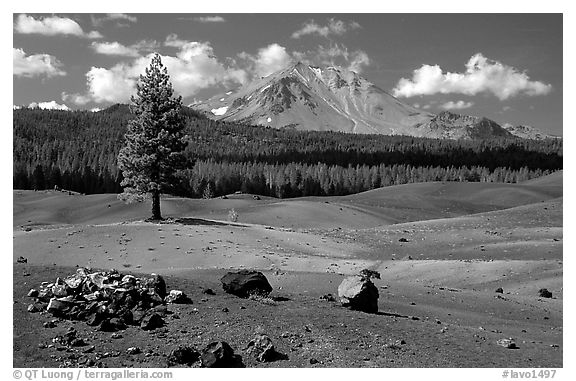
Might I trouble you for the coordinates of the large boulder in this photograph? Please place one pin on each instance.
(359, 293)
(245, 283)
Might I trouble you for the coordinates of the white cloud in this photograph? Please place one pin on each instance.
(51, 26)
(482, 75)
(271, 59)
(78, 99)
(206, 19)
(459, 105)
(114, 49)
(121, 16)
(52, 105)
(336, 27)
(35, 64)
(194, 67)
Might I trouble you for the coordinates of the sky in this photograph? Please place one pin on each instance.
(507, 67)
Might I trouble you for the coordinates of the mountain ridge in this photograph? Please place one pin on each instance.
(306, 97)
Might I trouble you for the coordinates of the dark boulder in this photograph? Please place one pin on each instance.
(245, 283)
(359, 293)
(499, 290)
(544, 293)
(218, 354)
(151, 321)
(183, 355)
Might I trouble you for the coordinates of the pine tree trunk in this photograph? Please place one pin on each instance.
(156, 215)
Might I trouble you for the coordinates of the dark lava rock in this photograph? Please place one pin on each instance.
(208, 291)
(328, 297)
(262, 349)
(151, 321)
(402, 240)
(359, 293)
(313, 361)
(33, 293)
(245, 283)
(183, 355)
(499, 290)
(157, 283)
(218, 354)
(544, 293)
(133, 351)
(22, 260)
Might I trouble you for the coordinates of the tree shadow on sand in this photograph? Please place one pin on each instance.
(203, 222)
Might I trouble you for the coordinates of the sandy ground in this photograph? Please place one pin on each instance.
(442, 250)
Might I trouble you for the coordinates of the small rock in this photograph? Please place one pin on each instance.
(313, 361)
(133, 351)
(499, 290)
(177, 297)
(261, 348)
(208, 291)
(507, 343)
(544, 293)
(32, 293)
(359, 293)
(402, 240)
(22, 260)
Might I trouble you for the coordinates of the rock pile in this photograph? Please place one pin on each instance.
(107, 299)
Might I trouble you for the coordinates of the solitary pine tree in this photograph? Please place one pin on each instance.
(154, 141)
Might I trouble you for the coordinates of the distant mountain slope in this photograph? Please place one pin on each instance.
(527, 132)
(309, 98)
(334, 99)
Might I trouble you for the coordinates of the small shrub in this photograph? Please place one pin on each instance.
(232, 215)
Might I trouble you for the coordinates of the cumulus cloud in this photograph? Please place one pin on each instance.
(459, 105)
(52, 105)
(114, 49)
(194, 67)
(35, 65)
(207, 19)
(335, 27)
(482, 75)
(51, 26)
(269, 59)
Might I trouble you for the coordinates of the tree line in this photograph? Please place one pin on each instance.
(78, 150)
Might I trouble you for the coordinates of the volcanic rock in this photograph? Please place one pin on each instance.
(177, 297)
(183, 355)
(359, 293)
(261, 348)
(245, 283)
(218, 354)
(544, 293)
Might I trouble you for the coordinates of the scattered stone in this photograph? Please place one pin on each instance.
(261, 348)
(116, 335)
(22, 260)
(33, 293)
(208, 291)
(183, 355)
(366, 273)
(177, 297)
(225, 309)
(313, 361)
(507, 343)
(50, 324)
(218, 354)
(544, 293)
(33, 308)
(402, 240)
(328, 297)
(245, 283)
(359, 293)
(400, 342)
(499, 290)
